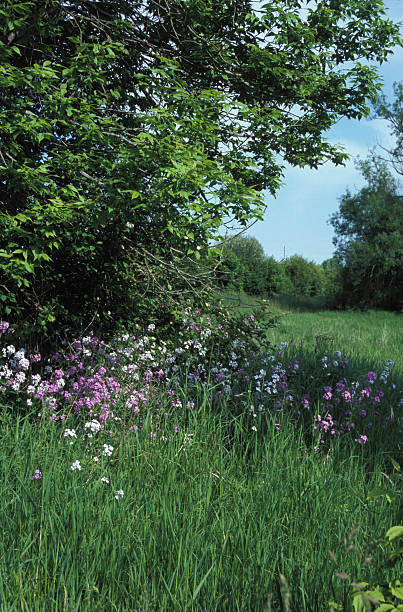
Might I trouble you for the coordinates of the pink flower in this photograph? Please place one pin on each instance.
(4, 325)
(361, 440)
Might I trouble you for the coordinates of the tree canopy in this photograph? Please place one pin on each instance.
(130, 130)
(393, 113)
(369, 240)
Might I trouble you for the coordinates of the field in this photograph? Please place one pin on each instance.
(372, 337)
(176, 480)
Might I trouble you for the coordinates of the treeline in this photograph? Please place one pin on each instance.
(367, 268)
(244, 266)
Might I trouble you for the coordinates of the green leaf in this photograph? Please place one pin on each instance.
(397, 591)
(394, 532)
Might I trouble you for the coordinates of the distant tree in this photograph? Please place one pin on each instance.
(369, 241)
(393, 113)
(230, 271)
(246, 248)
(307, 278)
(276, 280)
(333, 276)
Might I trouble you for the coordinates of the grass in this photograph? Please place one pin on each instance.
(373, 336)
(206, 525)
(214, 516)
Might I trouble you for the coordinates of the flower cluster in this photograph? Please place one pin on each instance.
(139, 380)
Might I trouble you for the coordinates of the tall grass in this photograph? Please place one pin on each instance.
(206, 522)
(208, 488)
(373, 336)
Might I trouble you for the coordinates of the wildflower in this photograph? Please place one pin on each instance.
(75, 466)
(104, 479)
(93, 425)
(37, 475)
(70, 433)
(96, 459)
(108, 449)
(119, 494)
(371, 376)
(361, 440)
(4, 325)
(254, 428)
(346, 395)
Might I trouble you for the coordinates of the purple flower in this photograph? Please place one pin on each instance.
(361, 440)
(4, 325)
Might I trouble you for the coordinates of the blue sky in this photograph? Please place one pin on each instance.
(297, 218)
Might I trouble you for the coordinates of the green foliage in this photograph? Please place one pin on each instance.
(333, 276)
(130, 131)
(369, 241)
(230, 272)
(363, 596)
(393, 113)
(306, 277)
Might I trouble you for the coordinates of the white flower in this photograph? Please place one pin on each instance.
(119, 494)
(107, 450)
(70, 433)
(94, 425)
(104, 479)
(96, 459)
(10, 349)
(254, 428)
(23, 363)
(76, 466)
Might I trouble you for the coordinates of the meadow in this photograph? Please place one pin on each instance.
(224, 468)
(308, 325)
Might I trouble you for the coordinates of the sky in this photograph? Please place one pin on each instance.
(295, 221)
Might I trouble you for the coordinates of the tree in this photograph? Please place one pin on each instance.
(393, 113)
(230, 271)
(369, 241)
(333, 276)
(306, 277)
(131, 130)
